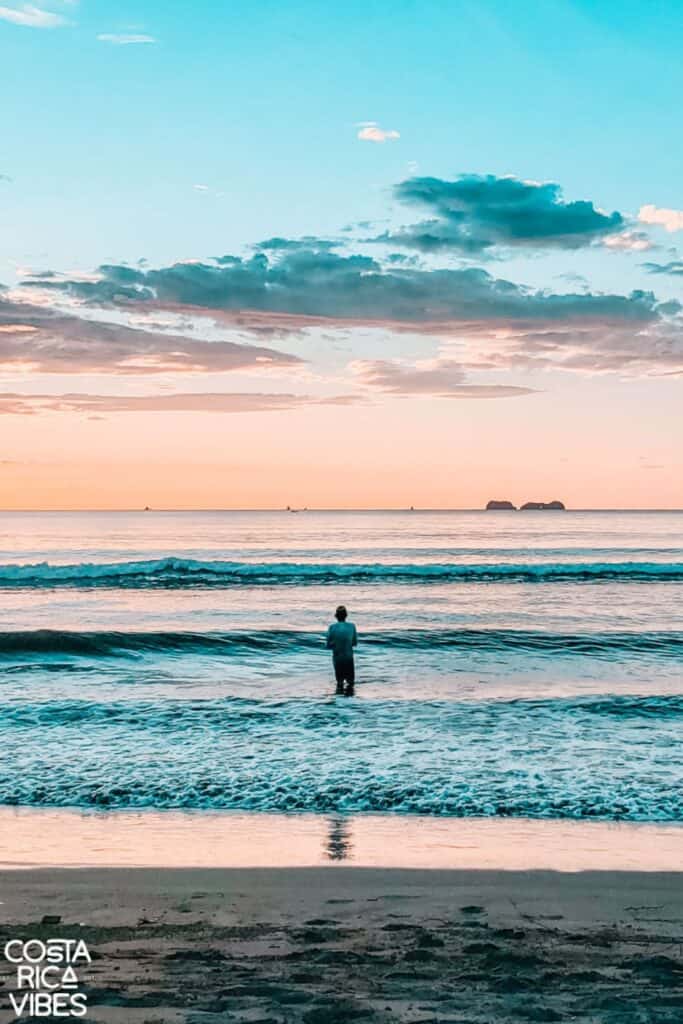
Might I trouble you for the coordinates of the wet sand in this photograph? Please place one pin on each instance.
(339, 944)
(43, 837)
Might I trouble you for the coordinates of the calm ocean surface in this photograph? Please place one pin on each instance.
(526, 664)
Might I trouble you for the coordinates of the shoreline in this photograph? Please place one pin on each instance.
(43, 838)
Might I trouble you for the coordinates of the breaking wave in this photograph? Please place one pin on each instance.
(46, 642)
(177, 573)
(560, 758)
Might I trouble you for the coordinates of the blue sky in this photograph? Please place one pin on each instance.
(153, 135)
(259, 101)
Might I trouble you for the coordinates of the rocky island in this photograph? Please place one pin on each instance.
(497, 506)
(507, 506)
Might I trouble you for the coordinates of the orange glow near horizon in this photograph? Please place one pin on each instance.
(592, 445)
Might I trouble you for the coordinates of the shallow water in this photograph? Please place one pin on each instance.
(510, 664)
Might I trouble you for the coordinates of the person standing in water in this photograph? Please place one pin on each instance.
(341, 640)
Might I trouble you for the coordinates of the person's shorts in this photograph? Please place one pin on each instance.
(344, 670)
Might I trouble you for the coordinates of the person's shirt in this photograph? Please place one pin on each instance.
(342, 638)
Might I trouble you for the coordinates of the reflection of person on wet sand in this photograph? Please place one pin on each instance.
(338, 839)
(341, 639)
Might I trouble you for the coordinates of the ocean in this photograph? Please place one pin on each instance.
(516, 664)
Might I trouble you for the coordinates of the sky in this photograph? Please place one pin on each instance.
(370, 254)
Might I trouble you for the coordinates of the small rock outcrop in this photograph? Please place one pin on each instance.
(497, 506)
(542, 506)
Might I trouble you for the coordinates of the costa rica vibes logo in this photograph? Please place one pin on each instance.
(47, 979)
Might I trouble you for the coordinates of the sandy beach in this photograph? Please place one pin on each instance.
(333, 945)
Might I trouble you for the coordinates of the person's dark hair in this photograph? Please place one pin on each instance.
(340, 613)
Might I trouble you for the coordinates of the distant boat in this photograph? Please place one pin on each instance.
(146, 509)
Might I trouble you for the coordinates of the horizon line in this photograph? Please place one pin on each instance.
(296, 510)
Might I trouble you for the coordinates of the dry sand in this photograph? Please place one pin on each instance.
(336, 945)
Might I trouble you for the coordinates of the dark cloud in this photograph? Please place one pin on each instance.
(289, 289)
(227, 261)
(56, 342)
(113, 285)
(403, 259)
(325, 286)
(573, 278)
(442, 378)
(674, 267)
(308, 242)
(360, 225)
(433, 236)
(473, 214)
(18, 404)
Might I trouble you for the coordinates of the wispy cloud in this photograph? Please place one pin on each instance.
(211, 402)
(675, 267)
(50, 341)
(207, 190)
(628, 241)
(670, 220)
(646, 463)
(370, 131)
(31, 17)
(437, 378)
(654, 350)
(125, 38)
